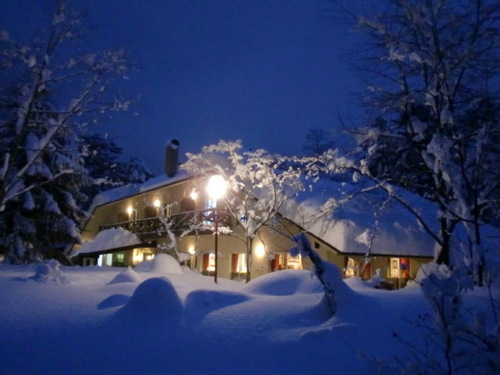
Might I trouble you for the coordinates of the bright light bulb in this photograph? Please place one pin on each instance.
(216, 187)
(260, 250)
(194, 194)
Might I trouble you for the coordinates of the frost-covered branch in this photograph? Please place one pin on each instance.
(259, 184)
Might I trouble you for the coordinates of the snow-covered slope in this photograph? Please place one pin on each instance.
(98, 320)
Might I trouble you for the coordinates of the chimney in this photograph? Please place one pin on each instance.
(171, 157)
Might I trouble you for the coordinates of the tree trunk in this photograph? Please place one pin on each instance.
(444, 253)
(249, 258)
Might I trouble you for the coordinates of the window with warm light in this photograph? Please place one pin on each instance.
(294, 263)
(351, 268)
(238, 266)
(283, 261)
(239, 263)
(279, 262)
(395, 267)
(208, 263)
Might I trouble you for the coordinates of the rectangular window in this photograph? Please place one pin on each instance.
(294, 263)
(208, 264)
(120, 258)
(239, 263)
(351, 267)
(105, 260)
(405, 267)
(238, 266)
(283, 261)
(279, 262)
(394, 267)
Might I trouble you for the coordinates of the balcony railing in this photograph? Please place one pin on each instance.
(177, 223)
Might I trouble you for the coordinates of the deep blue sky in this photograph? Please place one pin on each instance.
(264, 71)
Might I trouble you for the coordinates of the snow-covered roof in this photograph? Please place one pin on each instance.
(126, 191)
(108, 239)
(366, 224)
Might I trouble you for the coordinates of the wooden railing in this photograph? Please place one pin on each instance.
(177, 223)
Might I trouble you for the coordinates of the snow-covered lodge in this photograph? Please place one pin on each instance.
(128, 225)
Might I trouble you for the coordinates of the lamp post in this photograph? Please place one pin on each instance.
(216, 189)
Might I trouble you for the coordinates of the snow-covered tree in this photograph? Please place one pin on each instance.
(48, 93)
(318, 141)
(102, 160)
(133, 171)
(460, 334)
(259, 183)
(435, 72)
(321, 268)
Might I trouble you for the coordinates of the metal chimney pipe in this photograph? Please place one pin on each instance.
(171, 157)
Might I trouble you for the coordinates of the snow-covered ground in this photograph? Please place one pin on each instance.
(159, 319)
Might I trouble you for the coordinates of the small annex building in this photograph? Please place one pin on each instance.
(126, 226)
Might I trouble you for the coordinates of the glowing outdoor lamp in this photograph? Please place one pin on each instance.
(194, 195)
(132, 213)
(216, 189)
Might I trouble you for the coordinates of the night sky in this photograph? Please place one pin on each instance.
(264, 71)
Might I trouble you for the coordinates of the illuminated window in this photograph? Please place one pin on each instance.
(399, 267)
(279, 262)
(394, 267)
(120, 258)
(294, 263)
(283, 261)
(239, 263)
(211, 262)
(351, 268)
(208, 264)
(105, 260)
